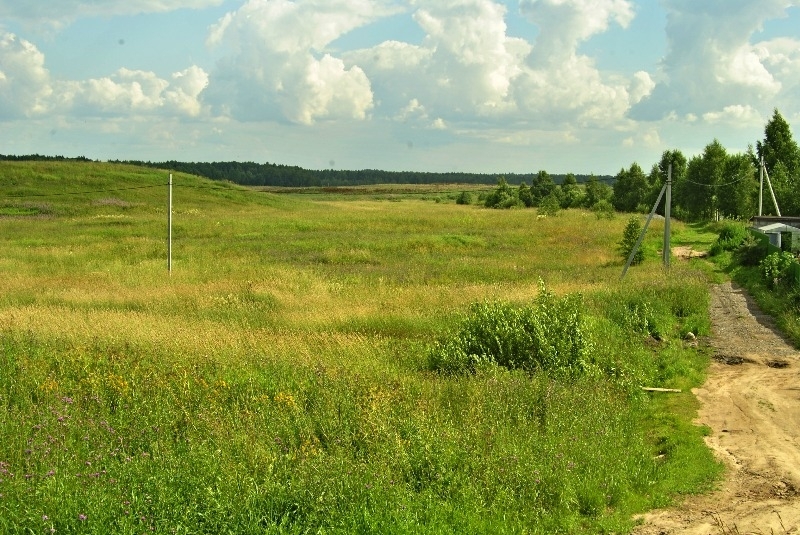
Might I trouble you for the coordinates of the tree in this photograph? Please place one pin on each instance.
(596, 191)
(541, 186)
(571, 194)
(630, 189)
(659, 173)
(737, 196)
(524, 195)
(697, 194)
(781, 157)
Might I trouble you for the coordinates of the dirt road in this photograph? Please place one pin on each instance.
(751, 401)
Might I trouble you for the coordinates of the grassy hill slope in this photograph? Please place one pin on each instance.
(279, 380)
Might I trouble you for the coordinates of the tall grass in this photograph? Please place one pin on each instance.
(278, 380)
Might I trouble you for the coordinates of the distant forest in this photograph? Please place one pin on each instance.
(268, 174)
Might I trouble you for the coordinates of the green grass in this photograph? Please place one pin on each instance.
(278, 380)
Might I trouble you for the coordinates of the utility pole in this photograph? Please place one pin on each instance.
(760, 186)
(771, 191)
(169, 226)
(667, 210)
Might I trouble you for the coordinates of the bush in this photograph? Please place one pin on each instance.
(629, 238)
(731, 237)
(603, 209)
(776, 269)
(465, 197)
(549, 335)
(753, 250)
(503, 197)
(550, 205)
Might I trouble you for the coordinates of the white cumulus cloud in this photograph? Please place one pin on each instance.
(712, 63)
(129, 92)
(55, 14)
(468, 68)
(564, 24)
(735, 115)
(25, 86)
(275, 65)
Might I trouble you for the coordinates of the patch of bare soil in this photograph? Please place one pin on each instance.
(686, 253)
(751, 402)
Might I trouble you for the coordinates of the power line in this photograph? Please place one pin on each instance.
(715, 185)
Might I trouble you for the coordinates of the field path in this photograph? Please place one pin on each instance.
(751, 402)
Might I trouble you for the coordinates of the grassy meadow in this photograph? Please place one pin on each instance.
(279, 380)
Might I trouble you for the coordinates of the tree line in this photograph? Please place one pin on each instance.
(270, 174)
(715, 184)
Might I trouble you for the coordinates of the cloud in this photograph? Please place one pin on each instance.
(468, 69)
(275, 65)
(564, 24)
(649, 138)
(25, 86)
(129, 92)
(28, 90)
(561, 86)
(55, 14)
(473, 63)
(711, 63)
(735, 115)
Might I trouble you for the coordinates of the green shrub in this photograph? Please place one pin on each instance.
(503, 197)
(603, 209)
(629, 238)
(465, 197)
(731, 237)
(549, 335)
(776, 269)
(753, 250)
(550, 205)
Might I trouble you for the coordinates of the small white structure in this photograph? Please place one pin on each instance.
(773, 226)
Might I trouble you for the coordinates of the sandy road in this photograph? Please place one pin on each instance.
(751, 402)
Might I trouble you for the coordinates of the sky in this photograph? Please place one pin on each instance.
(486, 86)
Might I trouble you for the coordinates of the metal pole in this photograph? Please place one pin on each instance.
(667, 209)
(169, 227)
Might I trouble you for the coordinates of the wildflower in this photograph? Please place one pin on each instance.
(82, 517)
(45, 517)
(68, 400)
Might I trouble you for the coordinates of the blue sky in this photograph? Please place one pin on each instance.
(584, 86)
